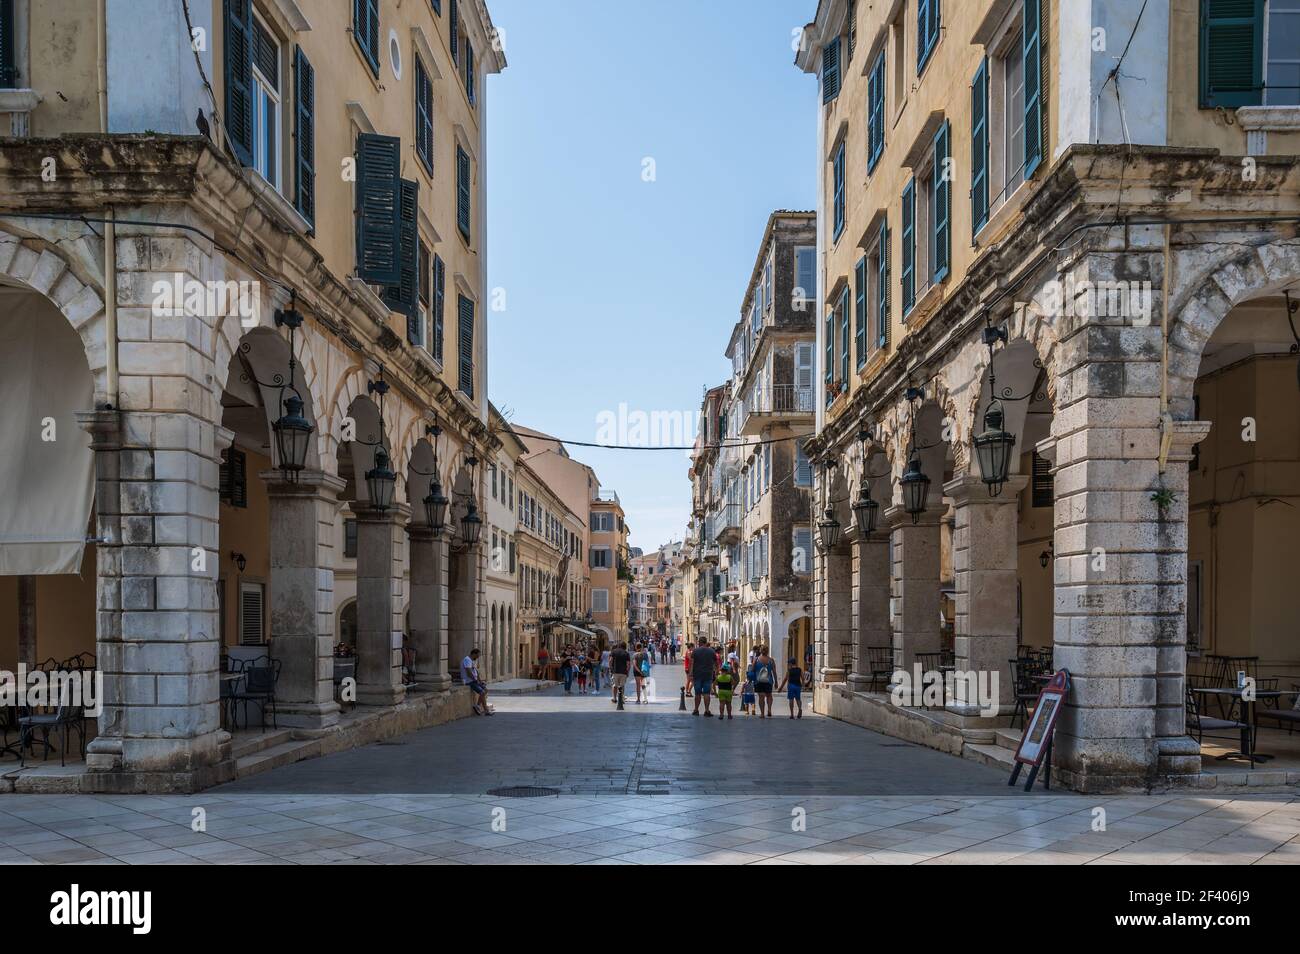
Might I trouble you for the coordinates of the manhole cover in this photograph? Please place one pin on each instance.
(523, 791)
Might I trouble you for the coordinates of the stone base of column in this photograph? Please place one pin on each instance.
(307, 715)
(859, 682)
(158, 766)
(834, 675)
(371, 694)
(433, 681)
(1178, 756)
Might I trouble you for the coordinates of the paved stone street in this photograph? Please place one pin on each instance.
(778, 792)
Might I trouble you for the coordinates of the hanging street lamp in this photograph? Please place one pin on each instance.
(866, 512)
(381, 481)
(829, 529)
(914, 484)
(471, 524)
(435, 504)
(994, 446)
(291, 430)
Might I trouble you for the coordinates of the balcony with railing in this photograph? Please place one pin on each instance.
(726, 524)
(775, 402)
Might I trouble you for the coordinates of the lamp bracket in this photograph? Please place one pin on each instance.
(289, 318)
(914, 394)
(994, 333)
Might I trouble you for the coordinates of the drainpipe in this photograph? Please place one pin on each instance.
(110, 305)
(1166, 419)
(101, 62)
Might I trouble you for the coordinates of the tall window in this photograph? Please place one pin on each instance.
(465, 346)
(805, 258)
(365, 30)
(434, 342)
(837, 166)
(927, 31)
(876, 112)
(423, 116)
(266, 103)
(463, 192)
(8, 46)
(1249, 53)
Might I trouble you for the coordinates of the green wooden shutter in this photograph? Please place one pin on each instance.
(465, 346)
(423, 116)
(365, 28)
(239, 79)
(1231, 53)
(453, 37)
(469, 71)
(1032, 38)
(304, 137)
(439, 301)
(830, 351)
(860, 308)
(462, 193)
(942, 239)
(402, 295)
(979, 148)
(831, 70)
(837, 167)
(908, 276)
(379, 208)
(8, 46)
(927, 31)
(876, 112)
(844, 336)
(882, 290)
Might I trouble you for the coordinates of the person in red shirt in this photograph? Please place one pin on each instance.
(690, 647)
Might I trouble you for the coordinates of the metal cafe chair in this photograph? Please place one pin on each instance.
(880, 663)
(1202, 725)
(1025, 690)
(48, 719)
(258, 687)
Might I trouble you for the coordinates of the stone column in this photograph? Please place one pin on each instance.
(379, 639)
(302, 595)
(915, 584)
(428, 606)
(985, 574)
(871, 581)
(462, 608)
(838, 565)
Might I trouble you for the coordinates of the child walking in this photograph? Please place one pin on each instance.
(584, 668)
(747, 697)
(726, 682)
(793, 685)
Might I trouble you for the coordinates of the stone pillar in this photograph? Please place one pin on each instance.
(915, 584)
(302, 595)
(379, 637)
(985, 574)
(156, 638)
(871, 582)
(428, 555)
(462, 607)
(838, 566)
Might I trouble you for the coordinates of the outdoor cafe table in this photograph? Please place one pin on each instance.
(1248, 713)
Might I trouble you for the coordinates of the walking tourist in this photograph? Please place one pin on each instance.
(764, 681)
(704, 665)
(566, 670)
(543, 659)
(604, 664)
(793, 685)
(584, 670)
(619, 662)
(469, 677)
(672, 651)
(747, 695)
(686, 661)
(594, 656)
(641, 671)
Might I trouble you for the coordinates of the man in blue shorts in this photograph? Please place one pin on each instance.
(704, 666)
(469, 677)
(793, 685)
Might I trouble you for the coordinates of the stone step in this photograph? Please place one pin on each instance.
(249, 745)
(286, 753)
(994, 756)
(1008, 738)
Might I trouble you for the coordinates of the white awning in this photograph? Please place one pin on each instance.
(46, 464)
(577, 629)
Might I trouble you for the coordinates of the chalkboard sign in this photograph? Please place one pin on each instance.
(1036, 742)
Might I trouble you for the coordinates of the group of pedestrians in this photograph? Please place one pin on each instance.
(711, 671)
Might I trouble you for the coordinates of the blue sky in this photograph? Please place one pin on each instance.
(619, 290)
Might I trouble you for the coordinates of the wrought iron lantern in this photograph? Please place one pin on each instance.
(381, 481)
(829, 529)
(916, 488)
(291, 430)
(471, 524)
(435, 507)
(994, 447)
(866, 512)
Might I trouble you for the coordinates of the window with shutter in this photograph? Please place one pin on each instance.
(838, 171)
(439, 301)
(8, 46)
(423, 116)
(304, 137)
(437, 6)
(463, 192)
(238, 42)
(927, 31)
(365, 30)
(803, 375)
(860, 310)
(465, 346)
(401, 296)
(379, 209)
(469, 71)
(453, 34)
(350, 539)
(882, 288)
(941, 241)
(908, 275)
(802, 557)
(805, 273)
(252, 631)
(979, 147)
(1034, 109)
(1043, 492)
(830, 353)
(424, 269)
(831, 70)
(233, 478)
(876, 112)
(844, 338)
(1231, 53)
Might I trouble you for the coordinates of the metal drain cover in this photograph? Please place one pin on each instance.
(523, 791)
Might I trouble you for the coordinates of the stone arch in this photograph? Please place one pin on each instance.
(351, 385)
(262, 359)
(32, 264)
(1243, 273)
(1022, 377)
(370, 434)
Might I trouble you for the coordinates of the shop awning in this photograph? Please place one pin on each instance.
(577, 629)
